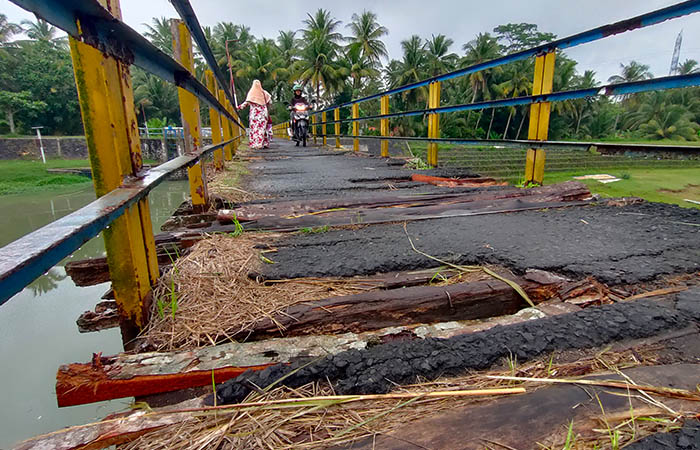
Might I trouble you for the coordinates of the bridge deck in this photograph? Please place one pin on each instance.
(576, 259)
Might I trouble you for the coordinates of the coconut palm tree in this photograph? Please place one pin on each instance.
(479, 50)
(581, 108)
(157, 97)
(672, 122)
(633, 71)
(519, 83)
(410, 69)
(439, 58)
(7, 29)
(159, 34)
(360, 67)
(366, 35)
(318, 62)
(260, 63)
(42, 31)
(689, 66)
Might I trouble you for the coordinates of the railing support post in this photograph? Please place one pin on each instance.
(215, 122)
(324, 127)
(107, 107)
(336, 117)
(539, 118)
(433, 122)
(189, 110)
(314, 119)
(355, 127)
(225, 125)
(384, 125)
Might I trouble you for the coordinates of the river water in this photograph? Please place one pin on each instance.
(37, 326)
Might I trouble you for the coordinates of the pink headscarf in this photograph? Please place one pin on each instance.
(257, 94)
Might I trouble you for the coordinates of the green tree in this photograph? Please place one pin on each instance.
(479, 50)
(366, 36)
(154, 97)
(45, 70)
(515, 37)
(672, 122)
(518, 83)
(159, 34)
(633, 71)
(7, 29)
(439, 58)
(689, 66)
(410, 69)
(13, 102)
(318, 63)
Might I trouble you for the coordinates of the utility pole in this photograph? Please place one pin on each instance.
(41, 144)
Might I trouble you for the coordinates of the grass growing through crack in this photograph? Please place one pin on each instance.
(316, 230)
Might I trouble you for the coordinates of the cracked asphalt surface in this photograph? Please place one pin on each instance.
(616, 245)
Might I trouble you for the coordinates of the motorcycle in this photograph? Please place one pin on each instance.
(300, 123)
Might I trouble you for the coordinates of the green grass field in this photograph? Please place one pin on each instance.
(645, 176)
(18, 176)
(654, 185)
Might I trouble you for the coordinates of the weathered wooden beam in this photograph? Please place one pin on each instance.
(420, 304)
(92, 271)
(105, 316)
(128, 375)
(452, 182)
(253, 211)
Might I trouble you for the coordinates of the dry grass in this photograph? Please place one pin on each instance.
(228, 183)
(317, 424)
(215, 301)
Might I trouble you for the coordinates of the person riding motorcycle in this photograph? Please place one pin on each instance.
(298, 98)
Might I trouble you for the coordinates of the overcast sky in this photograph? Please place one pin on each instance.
(459, 20)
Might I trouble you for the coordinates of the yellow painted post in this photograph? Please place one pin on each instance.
(433, 122)
(314, 119)
(215, 122)
(107, 106)
(324, 127)
(226, 126)
(336, 117)
(356, 127)
(384, 125)
(189, 110)
(539, 117)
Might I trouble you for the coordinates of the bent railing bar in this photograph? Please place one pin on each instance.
(184, 9)
(102, 31)
(641, 21)
(634, 87)
(30, 256)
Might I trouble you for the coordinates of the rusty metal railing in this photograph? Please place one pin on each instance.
(540, 100)
(103, 48)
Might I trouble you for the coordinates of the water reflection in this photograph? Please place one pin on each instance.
(37, 327)
(47, 282)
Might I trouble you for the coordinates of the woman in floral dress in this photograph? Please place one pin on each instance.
(257, 99)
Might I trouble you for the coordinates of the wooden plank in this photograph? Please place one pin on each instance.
(92, 271)
(572, 190)
(126, 375)
(527, 420)
(419, 304)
